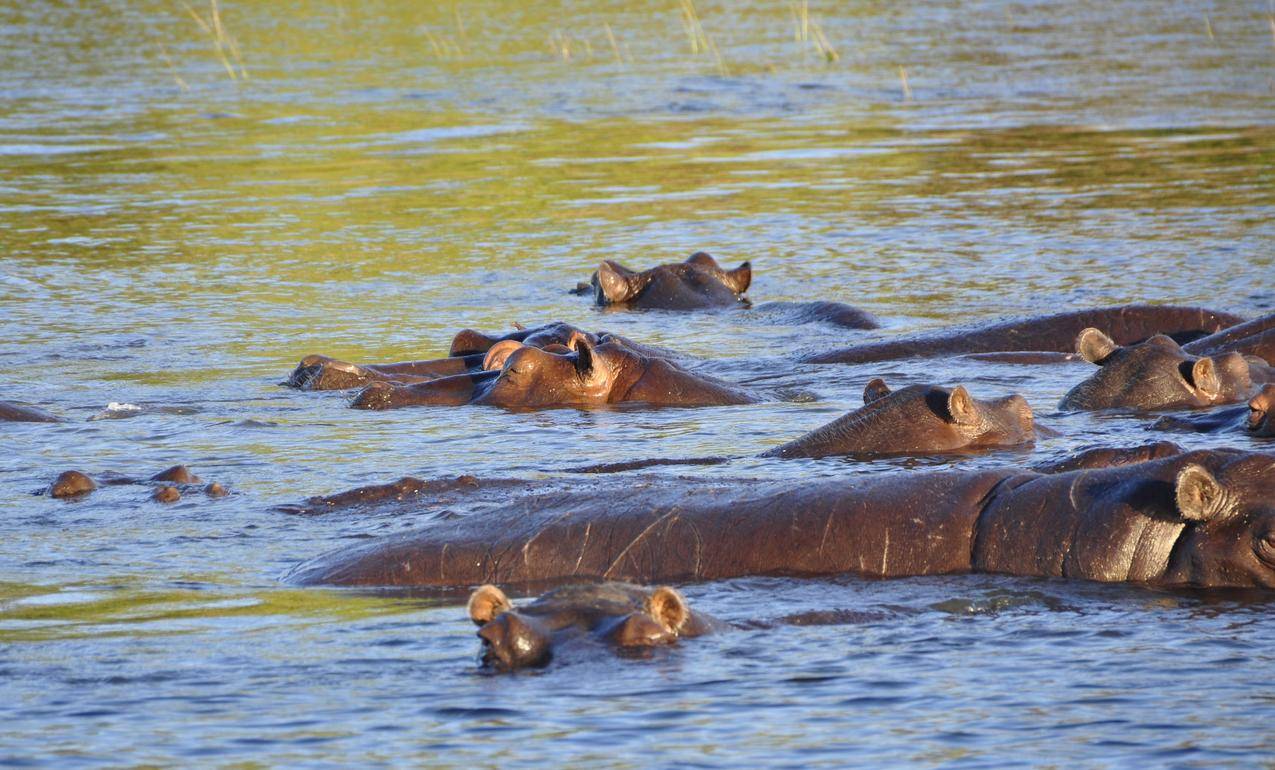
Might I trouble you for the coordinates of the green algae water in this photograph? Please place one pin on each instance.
(188, 206)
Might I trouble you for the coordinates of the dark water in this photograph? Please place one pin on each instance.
(386, 174)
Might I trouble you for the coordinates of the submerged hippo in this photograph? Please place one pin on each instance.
(700, 283)
(468, 350)
(1202, 518)
(167, 485)
(11, 412)
(619, 614)
(1257, 418)
(1253, 338)
(1055, 333)
(586, 374)
(916, 420)
(1156, 374)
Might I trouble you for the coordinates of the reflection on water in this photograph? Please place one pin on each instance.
(174, 241)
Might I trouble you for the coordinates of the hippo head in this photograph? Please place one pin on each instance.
(1006, 421)
(578, 373)
(469, 341)
(521, 638)
(1261, 412)
(1155, 374)
(699, 282)
(1229, 539)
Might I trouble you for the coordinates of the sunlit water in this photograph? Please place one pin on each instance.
(387, 174)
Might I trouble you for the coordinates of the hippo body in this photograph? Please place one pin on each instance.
(1253, 338)
(1256, 418)
(1126, 324)
(11, 412)
(620, 614)
(518, 376)
(1155, 374)
(1196, 519)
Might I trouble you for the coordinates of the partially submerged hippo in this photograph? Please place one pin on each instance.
(700, 283)
(468, 349)
(1257, 418)
(167, 485)
(1203, 518)
(11, 412)
(1055, 333)
(620, 614)
(1253, 338)
(918, 419)
(587, 374)
(1156, 374)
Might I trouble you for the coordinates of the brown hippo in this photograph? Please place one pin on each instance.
(1254, 338)
(700, 283)
(1257, 418)
(1203, 519)
(620, 614)
(1156, 374)
(918, 419)
(11, 412)
(1056, 333)
(468, 349)
(168, 484)
(586, 374)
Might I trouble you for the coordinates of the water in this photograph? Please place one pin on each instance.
(388, 174)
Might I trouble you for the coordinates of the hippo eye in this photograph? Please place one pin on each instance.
(1266, 547)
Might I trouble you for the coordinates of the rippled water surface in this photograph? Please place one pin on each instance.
(379, 175)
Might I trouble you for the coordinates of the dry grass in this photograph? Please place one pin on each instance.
(224, 45)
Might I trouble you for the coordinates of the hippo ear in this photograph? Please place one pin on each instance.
(616, 283)
(668, 608)
(486, 603)
(740, 278)
(467, 342)
(875, 390)
(1204, 377)
(1197, 493)
(703, 259)
(587, 362)
(960, 405)
(499, 353)
(1094, 346)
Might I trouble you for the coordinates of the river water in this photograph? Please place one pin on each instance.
(376, 176)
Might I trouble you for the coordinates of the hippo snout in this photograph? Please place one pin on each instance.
(511, 642)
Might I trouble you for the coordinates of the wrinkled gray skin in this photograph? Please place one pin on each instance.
(11, 412)
(520, 377)
(919, 419)
(1256, 418)
(700, 283)
(1055, 333)
(1203, 519)
(1156, 374)
(619, 614)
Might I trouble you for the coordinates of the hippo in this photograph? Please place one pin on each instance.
(1155, 374)
(1253, 338)
(620, 614)
(1197, 519)
(468, 349)
(518, 376)
(701, 283)
(1055, 333)
(11, 412)
(168, 484)
(916, 420)
(1257, 418)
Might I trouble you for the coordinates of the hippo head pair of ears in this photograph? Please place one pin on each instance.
(960, 406)
(593, 371)
(666, 606)
(617, 283)
(1217, 380)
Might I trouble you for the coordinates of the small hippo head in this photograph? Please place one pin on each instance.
(469, 341)
(619, 614)
(578, 373)
(1261, 412)
(699, 282)
(1155, 374)
(1230, 513)
(1006, 421)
